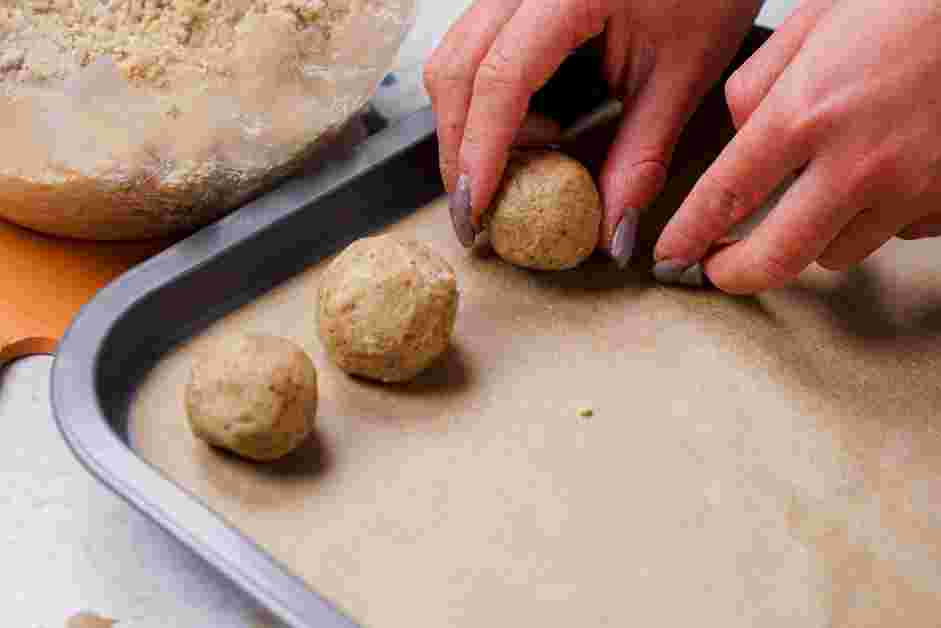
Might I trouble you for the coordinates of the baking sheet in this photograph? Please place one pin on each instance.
(751, 461)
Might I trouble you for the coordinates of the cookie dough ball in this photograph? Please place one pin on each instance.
(255, 395)
(547, 212)
(387, 308)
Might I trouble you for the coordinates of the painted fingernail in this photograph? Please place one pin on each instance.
(460, 206)
(625, 237)
(669, 271)
(678, 273)
(694, 276)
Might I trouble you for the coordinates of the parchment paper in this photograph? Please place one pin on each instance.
(769, 461)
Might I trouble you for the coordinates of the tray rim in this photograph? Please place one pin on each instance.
(90, 435)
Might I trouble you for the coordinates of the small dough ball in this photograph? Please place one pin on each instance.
(387, 308)
(547, 213)
(255, 395)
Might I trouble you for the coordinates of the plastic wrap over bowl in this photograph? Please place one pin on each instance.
(96, 147)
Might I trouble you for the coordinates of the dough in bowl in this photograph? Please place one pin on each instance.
(387, 308)
(547, 213)
(136, 119)
(255, 395)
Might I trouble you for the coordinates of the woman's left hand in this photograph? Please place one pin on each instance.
(848, 92)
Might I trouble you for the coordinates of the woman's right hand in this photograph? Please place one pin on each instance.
(660, 57)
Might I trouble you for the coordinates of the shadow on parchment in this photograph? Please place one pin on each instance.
(867, 356)
(311, 460)
(860, 308)
(271, 485)
(451, 375)
(597, 274)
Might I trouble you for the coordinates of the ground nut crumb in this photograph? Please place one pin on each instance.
(150, 40)
(12, 60)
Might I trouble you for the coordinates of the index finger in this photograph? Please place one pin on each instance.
(449, 74)
(531, 47)
(767, 150)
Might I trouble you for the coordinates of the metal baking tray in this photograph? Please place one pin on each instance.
(123, 332)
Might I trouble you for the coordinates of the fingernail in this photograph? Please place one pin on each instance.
(460, 206)
(669, 271)
(625, 237)
(673, 272)
(694, 276)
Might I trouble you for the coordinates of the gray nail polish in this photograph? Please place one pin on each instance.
(694, 276)
(625, 237)
(669, 271)
(678, 273)
(460, 206)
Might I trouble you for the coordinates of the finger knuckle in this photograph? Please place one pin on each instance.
(739, 97)
(442, 73)
(779, 267)
(499, 71)
(653, 171)
(431, 74)
(796, 126)
(807, 121)
(725, 204)
(637, 183)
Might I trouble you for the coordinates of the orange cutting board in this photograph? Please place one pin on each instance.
(44, 281)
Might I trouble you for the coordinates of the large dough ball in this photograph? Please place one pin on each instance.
(387, 308)
(547, 213)
(255, 395)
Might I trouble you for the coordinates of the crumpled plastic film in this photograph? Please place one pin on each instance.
(104, 146)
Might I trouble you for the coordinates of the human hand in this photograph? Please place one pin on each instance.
(848, 92)
(660, 58)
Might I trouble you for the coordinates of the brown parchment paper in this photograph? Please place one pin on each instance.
(770, 461)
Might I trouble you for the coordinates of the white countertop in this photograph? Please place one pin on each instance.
(69, 545)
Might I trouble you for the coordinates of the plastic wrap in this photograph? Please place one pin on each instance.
(143, 140)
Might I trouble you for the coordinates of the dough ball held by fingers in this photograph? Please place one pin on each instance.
(505, 82)
(547, 212)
